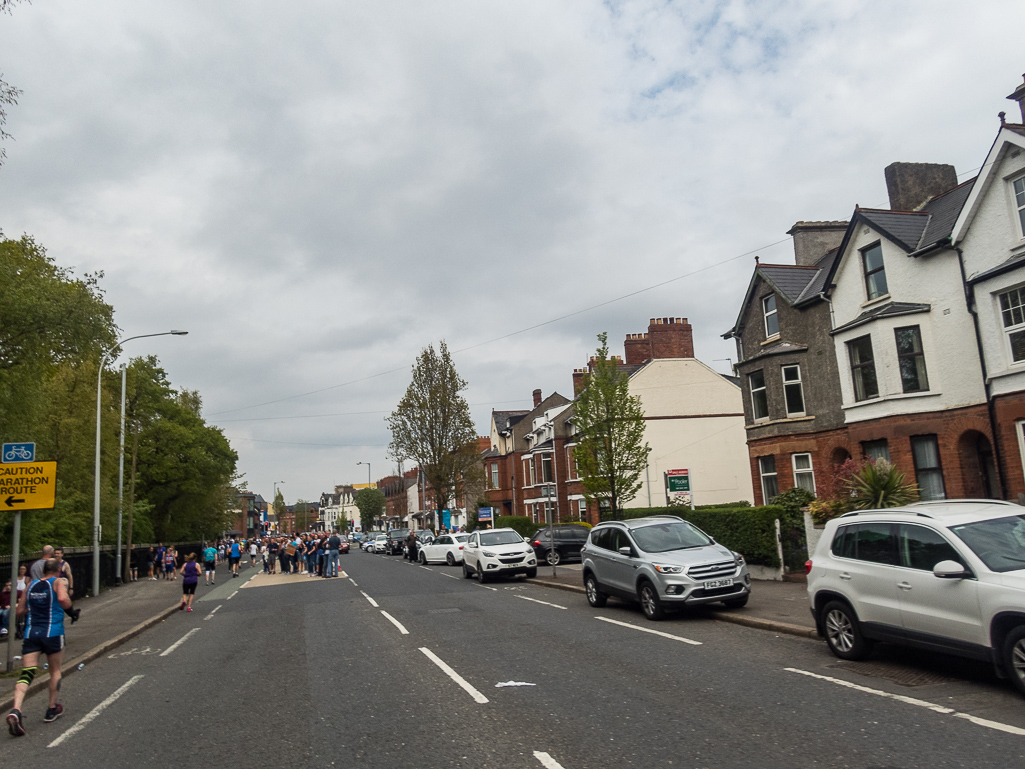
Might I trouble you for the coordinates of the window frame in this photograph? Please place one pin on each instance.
(870, 273)
(1014, 328)
(547, 468)
(789, 384)
(922, 370)
(763, 474)
(762, 391)
(857, 368)
(773, 314)
(938, 468)
(880, 441)
(494, 475)
(1018, 202)
(809, 471)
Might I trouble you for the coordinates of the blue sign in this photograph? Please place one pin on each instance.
(483, 513)
(19, 452)
(446, 519)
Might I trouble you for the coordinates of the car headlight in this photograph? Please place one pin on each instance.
(486, 554)
(739, 559)
(664, 569)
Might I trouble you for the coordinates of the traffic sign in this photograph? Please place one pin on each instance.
(18, 452)
(28, 485)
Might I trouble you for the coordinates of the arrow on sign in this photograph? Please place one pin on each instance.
(11, 501)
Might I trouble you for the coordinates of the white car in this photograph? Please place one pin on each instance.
(381, 543)
(498, 552)
(448, 548)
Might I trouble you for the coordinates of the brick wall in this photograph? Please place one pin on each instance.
(1007, 410)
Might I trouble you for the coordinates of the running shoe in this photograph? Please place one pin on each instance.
(52, 714)
(189, 609)
(182, 607)
(14, 724)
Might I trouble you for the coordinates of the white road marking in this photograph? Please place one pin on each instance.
(232, 595)
(478, 584)
(353, 582)
(179, 642)
(477, 696)
(450, 576)
(913, 701)
(544, 602)
(649, 630)
(424, 567)
(547, 761)
(92, 714)
(372, 601)
(208, 616)
(395, 622)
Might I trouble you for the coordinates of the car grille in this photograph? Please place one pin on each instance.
(511, 559)
(703, 593)
(712, 570)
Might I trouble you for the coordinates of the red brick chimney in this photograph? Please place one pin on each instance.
(537, 398)
(578, 380)
(637, 349)
(670, 338)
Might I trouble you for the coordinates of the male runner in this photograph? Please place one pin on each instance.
(235, 557)
(45, 602)
(210, 558)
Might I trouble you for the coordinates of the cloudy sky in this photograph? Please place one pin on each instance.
(316, 190)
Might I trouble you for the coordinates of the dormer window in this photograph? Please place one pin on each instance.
(771, 318)
(875, 272)
(1019, 202)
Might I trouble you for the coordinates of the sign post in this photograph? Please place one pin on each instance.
(678, 489)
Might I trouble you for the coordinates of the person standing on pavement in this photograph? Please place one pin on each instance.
(5, 608)
(333, 543)
(190, 579)
(44, 604)
(210, 559)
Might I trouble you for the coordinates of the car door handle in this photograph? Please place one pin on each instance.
(904, 585)
(844, 575)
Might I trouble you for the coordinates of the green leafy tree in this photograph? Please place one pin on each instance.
(8, 93)
(611, 452)
(432, 427)
(302, 514)
(371, 504)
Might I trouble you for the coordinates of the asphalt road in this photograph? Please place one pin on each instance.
(397, 666)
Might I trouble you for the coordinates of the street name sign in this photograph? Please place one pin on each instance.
(28, 485)
(18, 452)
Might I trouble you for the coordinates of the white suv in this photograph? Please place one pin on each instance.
(498, 552)
(943, 576)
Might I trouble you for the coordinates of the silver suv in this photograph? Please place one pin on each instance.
(662, 562)
(946, 577)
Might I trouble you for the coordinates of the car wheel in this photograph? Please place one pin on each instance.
(1014, 657)
(480, 575)
(423, 559)
(843, 632)
(552, 557)
(450, 560)
(650, 602)
(466, 571)
(595, 597)
(532, 573)
(737, 603)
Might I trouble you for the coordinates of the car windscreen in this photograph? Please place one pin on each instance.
(663, 537)
(999, 542)
(500, 538)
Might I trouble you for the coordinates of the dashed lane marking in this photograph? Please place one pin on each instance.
(92, 714)
(216, 608)
(467, 687)
(544, 602)
(546, 760)
(450, 576)
(233, 595)
(395, 622)
(372, 601)
(649, 630)
(478, 584)
(424, 567)
(913, 701)
(179, 642)
(353, 582)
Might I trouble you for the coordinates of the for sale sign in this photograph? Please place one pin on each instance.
(678, 491)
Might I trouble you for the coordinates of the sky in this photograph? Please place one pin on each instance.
(318, 190)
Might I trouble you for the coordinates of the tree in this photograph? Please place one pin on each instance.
(8, 93)
(370, 503)
(611, 452)
(432, 426)
(302, 514)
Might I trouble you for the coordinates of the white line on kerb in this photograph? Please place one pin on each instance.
(92, 714)
(913, 701)
(179, 642)
(546, 760)
(395, 622)
(372, 601)
(544, 602)
(232, 595)
(477, 696)
(648, 630)
(208, 616)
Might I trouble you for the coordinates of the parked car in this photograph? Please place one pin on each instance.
(397, 541)
(381, 543)
(946, 577)
(569, 539)
(448, 548)
(423, 536)
(662, 563)
(497, 552)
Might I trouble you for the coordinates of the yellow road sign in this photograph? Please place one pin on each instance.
(27, 485)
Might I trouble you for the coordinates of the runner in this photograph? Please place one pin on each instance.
(235, 557)
(253, 550)
(190, 578)
(65, 570)
(210, 555)
(44, 603)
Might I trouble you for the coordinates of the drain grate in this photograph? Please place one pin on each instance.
(899, 674)
(442, 611)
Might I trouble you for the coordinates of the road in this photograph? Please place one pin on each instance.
(396, 665)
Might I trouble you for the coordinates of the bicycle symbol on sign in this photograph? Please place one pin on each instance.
(15, 453)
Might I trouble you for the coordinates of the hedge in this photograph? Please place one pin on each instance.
(750, 531)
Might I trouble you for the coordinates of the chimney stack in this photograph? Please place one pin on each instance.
(637, 349)
(910, 185)
(578, 380)
(813, 240)
(670, 338)
(1019, 96)
(537, 398)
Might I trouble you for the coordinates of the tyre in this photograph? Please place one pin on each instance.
(737, 603)
(532, 573)
(843, 632)
(466, 571)
(1014, 657)
(480, 574)
(450, 560)
(651, 604)
(553, 558)
(423, 559)
(595, 596)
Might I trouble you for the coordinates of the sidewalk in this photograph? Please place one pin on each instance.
(778, 606)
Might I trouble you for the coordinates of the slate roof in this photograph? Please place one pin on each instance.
(914, 230)
(790, 280)
(818, 283)
(943, 211)
(506, 419)
(888, 310)
(1007, 265)
(777, 349)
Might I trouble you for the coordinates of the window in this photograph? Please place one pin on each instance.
(571, 463)
(759, 400)
(793, 391)
(529, 474)
(1019, 202)
(804, 474)
(876, 450)
(863, 368)
(911, 359)
(771, 318)
(770, 484)
(922, 548)
(875, 272)
(546, 468)
(494, 475)
(928, 471)
(873, 542)
(1012, 311)
(582, 509)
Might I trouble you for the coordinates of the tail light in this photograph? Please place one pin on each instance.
(807, 566)
(460, 547)
(537, 543)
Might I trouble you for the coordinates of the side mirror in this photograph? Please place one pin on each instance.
(950, 570)
(626, 551)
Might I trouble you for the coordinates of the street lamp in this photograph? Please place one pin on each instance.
(96, 488)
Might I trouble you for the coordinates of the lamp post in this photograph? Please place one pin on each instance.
(96, 488)
(274, 501)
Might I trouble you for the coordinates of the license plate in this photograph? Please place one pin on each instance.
(714, 583)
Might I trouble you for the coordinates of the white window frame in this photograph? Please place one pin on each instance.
(1015, 328)
(546, 459)
(764, 390)
(1018, 202)
(494, 475)
(762, 475)
(793, 383)
(809, 471)
(766, 314)
(571, 464)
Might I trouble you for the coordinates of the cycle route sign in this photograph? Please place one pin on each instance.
(27, 485)
(18, 452)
